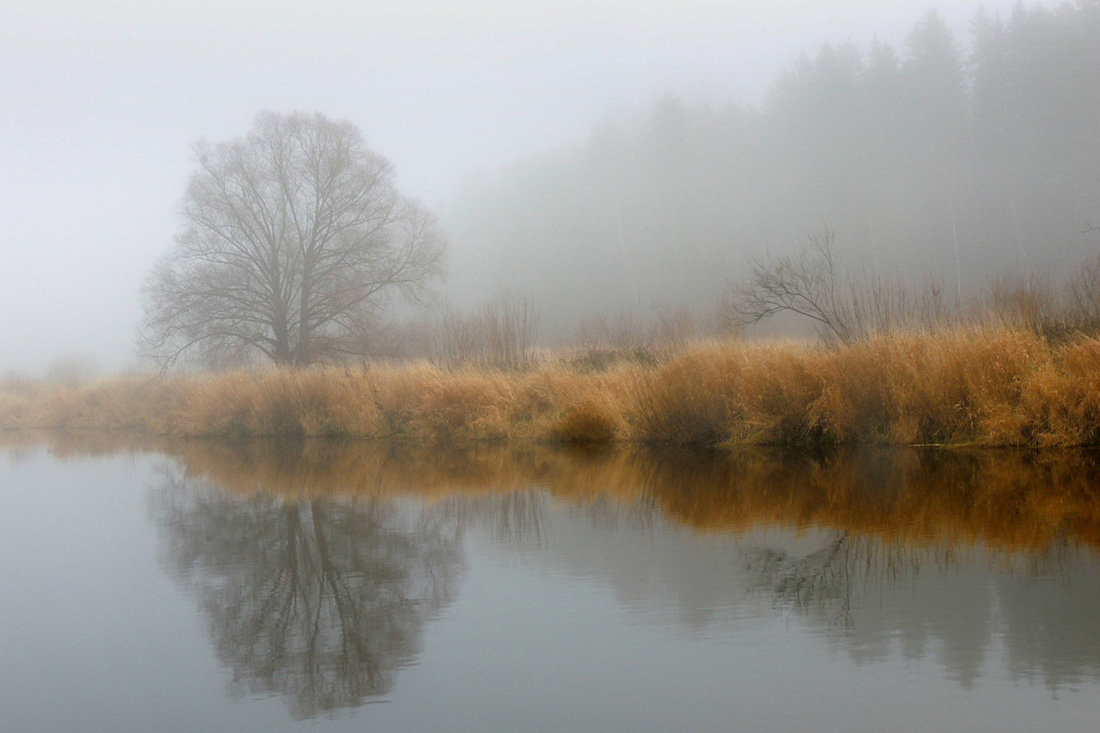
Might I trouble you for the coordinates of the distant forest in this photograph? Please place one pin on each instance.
(960, 160)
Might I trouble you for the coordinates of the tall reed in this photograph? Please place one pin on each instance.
(990, 385)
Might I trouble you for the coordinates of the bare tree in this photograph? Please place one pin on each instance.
(846, 307)
(295, 240)
(500, 334)
(807, 284)
(1083, 295)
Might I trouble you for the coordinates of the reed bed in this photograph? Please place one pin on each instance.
(992, 386)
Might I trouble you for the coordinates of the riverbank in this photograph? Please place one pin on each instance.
(984, 387)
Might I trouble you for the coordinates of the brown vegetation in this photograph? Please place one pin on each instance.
(990, 386)
(1013, 499)
(847, 306)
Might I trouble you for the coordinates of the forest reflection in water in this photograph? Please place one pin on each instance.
(318, 565)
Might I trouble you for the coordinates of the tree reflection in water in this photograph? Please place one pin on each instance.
(819, 582)
(318, 570)
(319, 600)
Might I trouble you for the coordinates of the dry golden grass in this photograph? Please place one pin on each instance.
(587, 420)
(987, 386)
(955, 387)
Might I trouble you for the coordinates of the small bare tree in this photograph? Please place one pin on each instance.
(295, 239)
(501, 333)
(846, 308)
(511, 326)
(1083, 296)
(807, 284)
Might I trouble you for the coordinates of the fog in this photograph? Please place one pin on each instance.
(968, 161)
(599, 158)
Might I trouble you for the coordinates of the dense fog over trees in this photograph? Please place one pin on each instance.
(295, 239)
(956, 159)
(959, 148)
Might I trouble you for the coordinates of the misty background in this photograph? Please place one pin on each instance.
(600, 159)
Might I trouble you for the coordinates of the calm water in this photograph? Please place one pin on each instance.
(202, 587)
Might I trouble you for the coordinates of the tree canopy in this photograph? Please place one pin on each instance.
(295, 239)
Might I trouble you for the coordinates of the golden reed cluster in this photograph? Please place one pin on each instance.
(989, 387)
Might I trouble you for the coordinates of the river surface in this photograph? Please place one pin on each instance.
(200, 587)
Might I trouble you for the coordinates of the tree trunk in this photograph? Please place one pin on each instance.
(305, 354)
(283, 353)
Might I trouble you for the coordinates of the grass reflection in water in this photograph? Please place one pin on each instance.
(1005, 499)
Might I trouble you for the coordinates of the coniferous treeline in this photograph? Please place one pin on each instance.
(959, 159)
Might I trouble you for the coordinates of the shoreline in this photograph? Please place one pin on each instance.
(982, 388)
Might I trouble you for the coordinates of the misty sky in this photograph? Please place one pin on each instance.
(101, 102)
